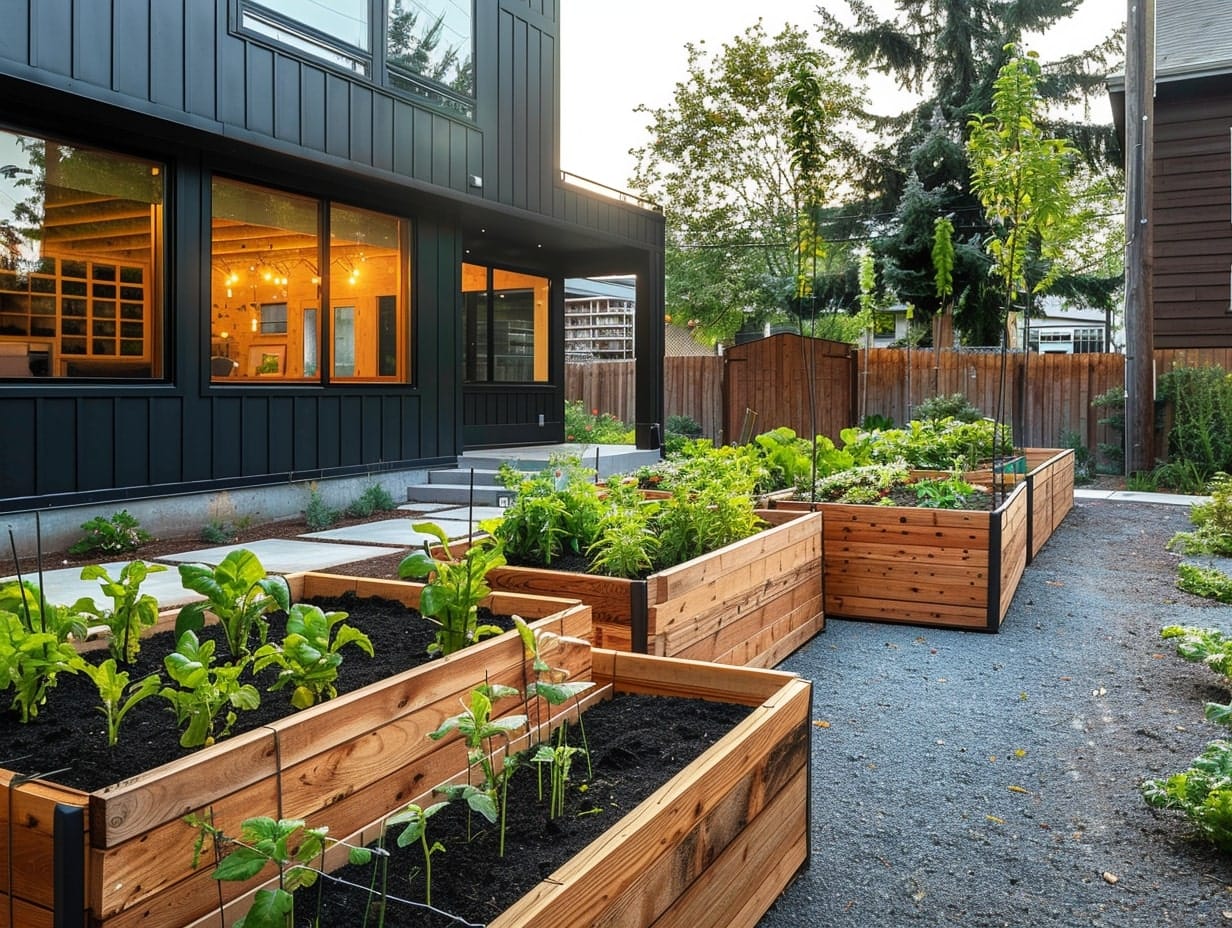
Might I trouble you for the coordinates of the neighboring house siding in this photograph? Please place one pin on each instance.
(1192, 216)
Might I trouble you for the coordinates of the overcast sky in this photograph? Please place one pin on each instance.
(615, 56)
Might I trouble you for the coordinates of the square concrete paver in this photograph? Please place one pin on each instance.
(391, 532)
(285, 556)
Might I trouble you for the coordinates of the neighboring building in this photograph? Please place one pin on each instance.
(600, 319)
(1192, 292)
(1060, 329)
(244, 243)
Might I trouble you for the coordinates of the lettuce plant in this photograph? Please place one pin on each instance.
(309, 655)
(35, 644)
(239, 592)
(206, 696)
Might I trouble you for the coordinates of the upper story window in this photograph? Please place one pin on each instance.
(81, 255)
(419, 47)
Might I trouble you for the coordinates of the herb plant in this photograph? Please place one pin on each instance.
(131, 610)
(112, 685)
(309, 655)
(318, 514)
(556, 511)
(239, 592)
(454, 589)
(206, 696)
(117, 535)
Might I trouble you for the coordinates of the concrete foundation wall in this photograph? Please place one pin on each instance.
(186, 515)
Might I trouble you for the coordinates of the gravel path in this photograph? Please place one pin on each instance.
(992, 780)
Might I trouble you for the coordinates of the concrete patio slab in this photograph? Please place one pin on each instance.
(425, 507)
(463, 513)
(1133, 496)
(390, 532)
(285, 556)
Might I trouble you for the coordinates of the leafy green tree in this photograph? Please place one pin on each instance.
(719, 161)
(949, 52)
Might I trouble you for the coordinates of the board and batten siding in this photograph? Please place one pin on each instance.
(1192, 217)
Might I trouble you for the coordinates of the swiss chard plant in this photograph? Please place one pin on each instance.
(240, 593)
(115, 693)
(206, 697)
(487, 750)
(36, 644)
(131, 611)
(309, 654)
(453, 589)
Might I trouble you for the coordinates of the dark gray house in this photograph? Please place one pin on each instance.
(246, 243)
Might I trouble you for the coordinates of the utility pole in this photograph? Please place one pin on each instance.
(1139, 236)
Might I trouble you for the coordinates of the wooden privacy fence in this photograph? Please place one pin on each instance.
(1046, 397)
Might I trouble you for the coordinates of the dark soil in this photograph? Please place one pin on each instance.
(993, 780)
(636, 743)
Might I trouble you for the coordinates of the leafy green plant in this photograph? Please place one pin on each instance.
(374, 498)
(870, 483)
(1199, 645)
(1207, 582)
(627, 545)
(35, 644)
(950, 492)
(206, 696)
(318, 515)
(552, 684)
(239, 592)
(415, 820)
(1203, 792)
(1212, 520)
(555, 511)
(117, 535)
(1181, 476)
(216, 532)
(290, 845)
(1201, 399)
(943, 444)
(131, 610)
(310, 653)
(594, 428)
(112, 684)
(481, 733)
(1084, 458)
(453, 589)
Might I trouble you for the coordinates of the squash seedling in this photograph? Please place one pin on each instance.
(309, 655)
(453, 589)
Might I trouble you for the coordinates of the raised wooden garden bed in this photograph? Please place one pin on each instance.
(751, 603)
(941, 567)
(1050, 482)
(121, 856)
(713, 846)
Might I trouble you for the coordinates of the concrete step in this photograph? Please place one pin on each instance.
(458, 494)
(462, 476)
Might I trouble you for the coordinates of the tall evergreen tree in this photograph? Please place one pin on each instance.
(950, 52)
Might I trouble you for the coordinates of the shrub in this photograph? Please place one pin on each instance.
(1202, 417)
(375, 498)
(1212, 522)
(594, 428)
(117, 535)
(1084, 458)
(953, 406)
(1111, 405)
(317, 514)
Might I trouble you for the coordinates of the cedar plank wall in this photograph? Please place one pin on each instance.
(1192, 214)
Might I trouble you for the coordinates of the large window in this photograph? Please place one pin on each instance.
(80, 261)
(505, 325)
(268, 289)
(426, 46)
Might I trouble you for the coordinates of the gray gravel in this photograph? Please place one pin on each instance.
(990, 780)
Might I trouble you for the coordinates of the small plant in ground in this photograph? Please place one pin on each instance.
(131, 610)
(1110, 407)
(870, 483)
(1207, 582)
(224, 523)
(454, 589)
(559, 758)
(415, 819)
(309, 655)
(239, 592)
(117, 535)
(289, 844)
(217, 533)
(481, 732)
(1212, 522)
(318, 515)
(1084, 458)
(112, 685)
(206, 696)
(35, 644)
(1199, 645)
(552, 684)
(1181, 476)
(1203, 793)
(374, 498)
